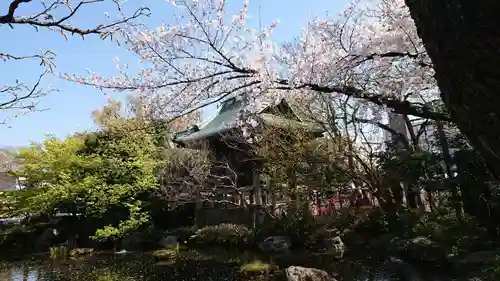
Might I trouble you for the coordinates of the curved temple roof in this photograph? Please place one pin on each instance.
(227, 119)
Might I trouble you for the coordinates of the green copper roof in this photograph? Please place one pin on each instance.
(227, 119)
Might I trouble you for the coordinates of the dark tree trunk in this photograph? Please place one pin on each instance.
(462, 37)
(455, 193)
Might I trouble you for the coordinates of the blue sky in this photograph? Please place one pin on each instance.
(69, 109)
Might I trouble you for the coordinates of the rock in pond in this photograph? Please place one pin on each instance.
(276, 245)
(46, 239)
(477, 258)
(122, 252)
(169, 241)
(419, 248)
(132, 241)
(299, 273)
(335, 246)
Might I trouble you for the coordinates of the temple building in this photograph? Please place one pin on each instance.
(236, 165)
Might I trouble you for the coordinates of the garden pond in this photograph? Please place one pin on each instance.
(191, 265)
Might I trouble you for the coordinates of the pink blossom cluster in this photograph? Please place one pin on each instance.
(210, 53)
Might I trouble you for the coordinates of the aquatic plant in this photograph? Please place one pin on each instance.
(255, 266)
(165, 254)
(58, 252)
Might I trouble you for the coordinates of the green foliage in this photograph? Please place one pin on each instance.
(294, 226)
(295, 156)
(13, 202)
(99, 175)
(342, 219)
(379, 222)
(225, 234)
(137, 218)
(416, 167)
(457, 235)
(492, 271)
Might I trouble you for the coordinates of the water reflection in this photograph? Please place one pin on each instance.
(19, 273)
(193, 266)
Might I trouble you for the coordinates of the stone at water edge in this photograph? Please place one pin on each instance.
(276, 244)
(336, 246)
(418, 248)
(299, 273)
(46, 239)
(133, 241)
(480, 257)
(169, 241)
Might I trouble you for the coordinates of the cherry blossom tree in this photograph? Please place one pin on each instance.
(56, 16)
(371, 53)
(462, 38)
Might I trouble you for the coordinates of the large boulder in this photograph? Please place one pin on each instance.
(276, 245)
(298, 273)
(133, 241)
(46, 239)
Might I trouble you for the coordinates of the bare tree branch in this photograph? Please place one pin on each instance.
(23, 98)
(398, 106)
(45, 19)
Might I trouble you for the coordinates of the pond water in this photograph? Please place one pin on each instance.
(192, 266)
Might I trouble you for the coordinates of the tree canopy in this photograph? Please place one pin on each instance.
(96, 173)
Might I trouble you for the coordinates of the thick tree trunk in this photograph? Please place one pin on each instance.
(462, 37)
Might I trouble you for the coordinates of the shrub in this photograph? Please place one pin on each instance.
(225, 234)
(305, 230)
(342, 219)
(461, 235)
(257, 271)
(296, 228)
(492, 270)
(378, 223)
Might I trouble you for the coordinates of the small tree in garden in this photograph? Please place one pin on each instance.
(183, 175)
(293, 159)
(98, 175)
